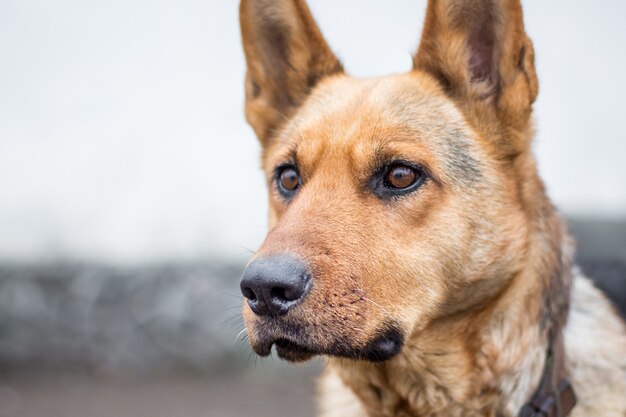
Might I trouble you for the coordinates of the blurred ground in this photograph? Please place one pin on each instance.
(266, 392)
(97, 341)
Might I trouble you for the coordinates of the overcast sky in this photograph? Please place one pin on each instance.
(122, 135)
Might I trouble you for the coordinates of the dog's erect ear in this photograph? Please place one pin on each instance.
(479, 51)
(286, 56)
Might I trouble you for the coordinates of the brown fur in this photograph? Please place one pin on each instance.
(474, 268)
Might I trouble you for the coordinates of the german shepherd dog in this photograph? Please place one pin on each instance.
(411, 240)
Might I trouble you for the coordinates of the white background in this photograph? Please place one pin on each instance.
(122, 137)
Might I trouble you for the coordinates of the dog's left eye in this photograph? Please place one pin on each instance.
(397, 179)
(400, 177)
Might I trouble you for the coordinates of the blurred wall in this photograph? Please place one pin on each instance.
(122, 135)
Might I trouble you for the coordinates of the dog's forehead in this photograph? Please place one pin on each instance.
(361, 103)
(355, 118)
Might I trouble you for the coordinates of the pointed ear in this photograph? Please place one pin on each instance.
(286, 56)
(479, 51)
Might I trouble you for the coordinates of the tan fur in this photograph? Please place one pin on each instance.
(474, 267)
(595, 345)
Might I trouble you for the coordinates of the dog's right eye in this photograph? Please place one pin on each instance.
(288, 180)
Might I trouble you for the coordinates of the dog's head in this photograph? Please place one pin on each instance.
(394, 202)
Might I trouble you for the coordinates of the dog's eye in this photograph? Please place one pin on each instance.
(397, 179)
(288, 180)
(400, 177)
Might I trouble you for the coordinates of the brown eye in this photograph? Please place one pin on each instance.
(401, 176)
(398, 178)
(288, 181)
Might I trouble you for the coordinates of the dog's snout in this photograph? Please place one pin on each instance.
(275, 284)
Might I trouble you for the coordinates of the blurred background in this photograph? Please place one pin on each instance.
(131, 195)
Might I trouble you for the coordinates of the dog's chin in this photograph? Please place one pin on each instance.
(381, 348)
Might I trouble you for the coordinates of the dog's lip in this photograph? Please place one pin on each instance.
(292, 346)
(294, 352)
(380, 349)
(284, 347)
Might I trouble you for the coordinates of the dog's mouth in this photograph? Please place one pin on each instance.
(286, 349)
(293, 352)
(384, 346)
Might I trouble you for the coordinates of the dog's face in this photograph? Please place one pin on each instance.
(394, 202)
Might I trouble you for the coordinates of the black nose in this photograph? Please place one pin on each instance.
(275, 284)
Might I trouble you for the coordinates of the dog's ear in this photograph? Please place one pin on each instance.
(479, 51)
(286, 56)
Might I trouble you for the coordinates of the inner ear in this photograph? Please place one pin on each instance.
(286, 57)
(483, 62)
(469, 43)
(478, 50)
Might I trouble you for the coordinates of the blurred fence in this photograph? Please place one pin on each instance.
(179, 316)
(134, 319)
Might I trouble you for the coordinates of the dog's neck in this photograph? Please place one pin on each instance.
(451, 369)
(485, 363)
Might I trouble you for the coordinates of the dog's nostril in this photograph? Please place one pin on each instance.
(249, 294)
(278, 294)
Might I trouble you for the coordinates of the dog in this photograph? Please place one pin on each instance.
(411, 239)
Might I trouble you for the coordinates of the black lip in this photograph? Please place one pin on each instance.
(289, 345)
(387, 345)
(383, 347)
(288, 350)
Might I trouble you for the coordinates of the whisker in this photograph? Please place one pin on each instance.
(249, 356)
(238, 335)
(377, 305)
(230, 320)
(246, 248)
(227, 309)
(238, 297)
(233, 324)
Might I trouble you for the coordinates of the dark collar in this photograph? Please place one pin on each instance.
(555, 396)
